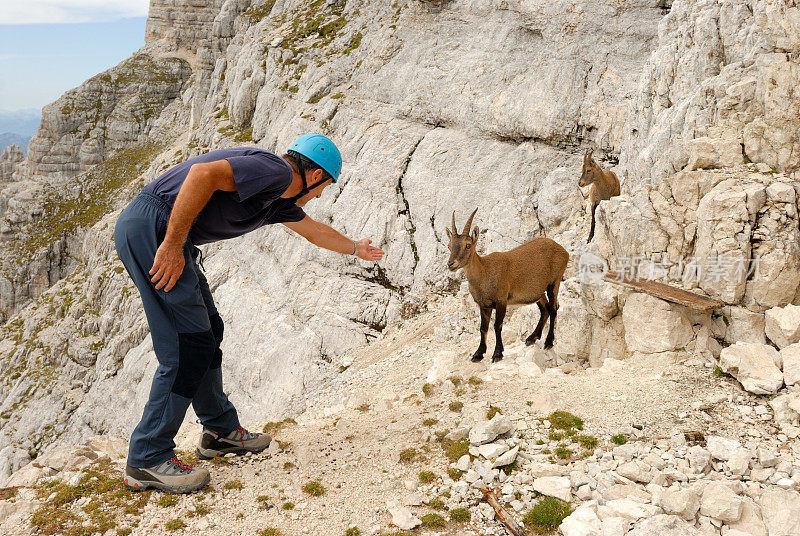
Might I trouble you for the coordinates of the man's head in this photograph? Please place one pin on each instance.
(316, 162)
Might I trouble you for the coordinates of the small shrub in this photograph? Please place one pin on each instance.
(427, 389)
(352, 531)
(563, 452)
(555, 436)
(719, 374)
(199, 511)
(563, 420)
(288, 466)
(433, 521)
(270, 531)
(426, 477)
(456, 406)
(547, 515)
(408, 455)
(460, 515)
(540, 442)
(124, 532)
(430, 421)
(455, 449)
(314, 488)
(493, 410)
(233, 484)
(455, 380)
(454, 473)
(262, 498)
(363, 407)
(619, 439)
(175, 524)
(288, 505)
(436, 504)
(474, 381)
(586, 441)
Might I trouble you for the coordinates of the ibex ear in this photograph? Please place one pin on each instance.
(475, 234)
(449, 233)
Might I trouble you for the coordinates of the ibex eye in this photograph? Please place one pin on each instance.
(468, 246)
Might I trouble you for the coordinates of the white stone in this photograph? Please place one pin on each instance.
(490, 451)
(664, 525)
(722, 448)
(653, 325)
(631, 509)
(682, 502)
(782, 325)
(507, 458)
(753, 365)
(487, 431)
(554, 486)
(463, 463)
(636, 471)
(781, 512)
(582, 522)
(739, 461)
(615, 526)
(790, 357)
(402, 517)
(719, 502)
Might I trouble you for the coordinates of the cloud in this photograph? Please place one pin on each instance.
(69, 11)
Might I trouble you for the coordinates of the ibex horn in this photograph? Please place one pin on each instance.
(468, 226)
(454, 222)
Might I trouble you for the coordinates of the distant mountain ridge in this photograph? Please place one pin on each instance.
(20, 141)
(18, 126)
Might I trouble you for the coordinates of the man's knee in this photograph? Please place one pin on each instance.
(218, 328)
(196, 352)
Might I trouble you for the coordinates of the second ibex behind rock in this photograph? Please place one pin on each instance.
(605, 184)
(530, 273)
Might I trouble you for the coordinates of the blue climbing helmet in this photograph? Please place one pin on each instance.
(320, 150)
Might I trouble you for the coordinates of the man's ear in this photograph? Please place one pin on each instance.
(475, 234)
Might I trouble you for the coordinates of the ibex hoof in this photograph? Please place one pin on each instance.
(477, 357)
(548, 344)
(496, 358)
(531, 340)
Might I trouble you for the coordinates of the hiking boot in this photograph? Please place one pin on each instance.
(239, 441)
(171, 476)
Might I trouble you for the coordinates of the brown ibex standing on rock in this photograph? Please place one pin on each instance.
(530, 273)
(605, 184)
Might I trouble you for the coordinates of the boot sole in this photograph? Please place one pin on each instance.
(210, 454)
(134, 484)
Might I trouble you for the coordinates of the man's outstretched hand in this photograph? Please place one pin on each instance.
(367, 252)
(167, 266)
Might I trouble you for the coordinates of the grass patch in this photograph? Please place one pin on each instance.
(175, 524)
(427, 389)
(274, 427)
(460, 515)
(363, 408)
(436, 504)
(619, 439)
(430, 421)
(547, 515)
(493, 410)
(586, 441)
(555, 436)
(233, 484)
(433, 521)
(262, 498)
(563, 452)
(474, 381)
(720, 374)
(288, 506)
(456, 406)
(426, 477)
(270, 531)
(244, 135)
(455, 449)
(455, 380)
(454, 473)
(314, 488)
(257, 12)
(338, 95)
(199, 511)
(167, 501)
(564, 420)
(408, 455)
(352, 531)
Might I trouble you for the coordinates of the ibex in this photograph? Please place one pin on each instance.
(605, 184)
(530, 273)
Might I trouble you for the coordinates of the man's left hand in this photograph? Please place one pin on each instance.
(367, 252)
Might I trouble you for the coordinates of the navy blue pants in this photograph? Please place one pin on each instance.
(186, 330)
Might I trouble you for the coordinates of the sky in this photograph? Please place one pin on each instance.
(50, 46)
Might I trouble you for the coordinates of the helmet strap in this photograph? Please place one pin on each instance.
(305, 189)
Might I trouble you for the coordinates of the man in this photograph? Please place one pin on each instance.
(218, 195)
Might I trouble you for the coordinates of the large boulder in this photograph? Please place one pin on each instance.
(554, 486)
(722, 448)
(790, 357)
(653, 325)
(719, 502)
(681, 502)
(754, 365)
(488, 431)
(783, 325)
(401, 515)
(581, 522)
(781, 512)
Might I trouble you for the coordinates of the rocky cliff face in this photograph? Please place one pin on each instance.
(438, 107)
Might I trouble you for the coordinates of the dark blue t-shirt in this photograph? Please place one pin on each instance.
(260, 176)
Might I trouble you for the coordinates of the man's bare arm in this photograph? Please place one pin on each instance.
(200, 183)
(327, 237)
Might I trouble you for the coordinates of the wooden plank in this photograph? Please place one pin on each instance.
(665, 292)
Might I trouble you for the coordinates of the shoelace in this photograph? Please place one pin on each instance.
(244, 435)
(180, 464)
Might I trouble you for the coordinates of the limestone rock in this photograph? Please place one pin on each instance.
(582, 522)
(402, 517)
(719, 502)
(653, 325)
(683, 502)
(781, 511)
(783, 325)
(507, 458)
(705, 152)
(790, 357)
(554, 486)
(754, 365)
(633, 510)
(488, 431)
(664, 525)
(722, 448)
